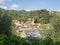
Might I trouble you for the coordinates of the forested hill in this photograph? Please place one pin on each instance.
(40, 16)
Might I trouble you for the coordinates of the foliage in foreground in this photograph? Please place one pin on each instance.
(13, 40)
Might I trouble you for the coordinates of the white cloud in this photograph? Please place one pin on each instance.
(3, 7)
(58, 10)
(3, 1)
(28, 10)
(14, 6)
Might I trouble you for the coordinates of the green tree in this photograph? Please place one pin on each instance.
(5, 24)
(48, 41)
(57, 43)
(55, 22)
(2, 39)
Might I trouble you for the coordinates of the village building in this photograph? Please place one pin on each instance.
(28, 28)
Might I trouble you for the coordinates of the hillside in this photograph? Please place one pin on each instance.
(41, 23)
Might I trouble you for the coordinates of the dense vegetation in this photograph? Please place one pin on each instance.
(40, 16)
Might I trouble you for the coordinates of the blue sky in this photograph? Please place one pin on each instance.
(30, 4)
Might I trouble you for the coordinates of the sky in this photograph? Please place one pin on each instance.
(30, 4)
